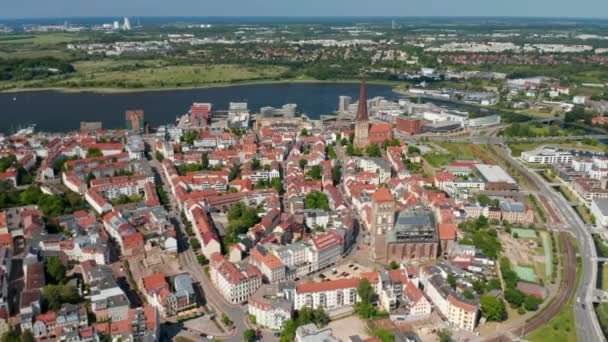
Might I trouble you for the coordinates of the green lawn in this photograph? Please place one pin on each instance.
(175, 75)
(152, 74)
(38, 53)
(602, 315)
(42, 39)
(605, 277)
(562, 327)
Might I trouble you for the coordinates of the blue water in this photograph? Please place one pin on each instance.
(58, 111)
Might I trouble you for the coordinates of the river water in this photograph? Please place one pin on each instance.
(60, 111)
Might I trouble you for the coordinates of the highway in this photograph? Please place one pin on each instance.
(587, 325)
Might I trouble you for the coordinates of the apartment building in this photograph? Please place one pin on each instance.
(235, 282)
(327, 294)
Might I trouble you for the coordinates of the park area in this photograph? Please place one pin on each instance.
(529, 251)
(445, 153)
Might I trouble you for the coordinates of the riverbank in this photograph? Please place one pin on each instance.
(114, 90)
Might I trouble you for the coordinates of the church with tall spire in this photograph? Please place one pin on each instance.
(366, 133)
(362, 120)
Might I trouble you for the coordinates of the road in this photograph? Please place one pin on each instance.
(493, 140)
(189, 263)
(587, 325)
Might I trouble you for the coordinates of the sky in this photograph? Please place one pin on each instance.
(10, 9)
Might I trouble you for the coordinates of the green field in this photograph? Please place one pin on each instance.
(562, 327)
(43, 39)
(524, 233)
(525, 273)
(605, 277)
(152, 74)
(174, 76)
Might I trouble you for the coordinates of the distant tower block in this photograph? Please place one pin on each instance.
(134, 120)
(127, 24)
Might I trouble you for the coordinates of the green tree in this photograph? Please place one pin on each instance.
(468, 294)
(255, 164)
(493, 309)
(202, 259)
(241, 218)
(317, 200)
(385, 335)
(303, 163)
(235, 172)
(249, 335)
(55, 270)
(315, 172)
(394, 265)
(445, 335)
(452, 280)
(373, 150)
(27, 336)
(332, 152)
(304, 132)
(514, 296)
(205, 160)
(277, 184)
(413, 150)
(365, 291)
(336, 174)
(531, 303)
(159, 156)
(94, 152)
(56, 295)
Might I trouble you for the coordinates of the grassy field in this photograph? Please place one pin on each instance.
(585, 214)
(175, 75)
(562, 327)
(26, 53)
(153, 74)
(602, 315)
(605, 277)
(455, 151)
(518, 148)
(43, 39)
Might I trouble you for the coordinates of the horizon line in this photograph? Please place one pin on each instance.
(314, 17)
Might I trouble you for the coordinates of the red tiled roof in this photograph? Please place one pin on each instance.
(327, 285)
(382, 195)
(155, 282)
(133, 240)
(464, 306)
(447, 231)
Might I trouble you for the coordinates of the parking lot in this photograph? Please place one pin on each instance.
(348, 270)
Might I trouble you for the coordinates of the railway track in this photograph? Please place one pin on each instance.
(560, 300)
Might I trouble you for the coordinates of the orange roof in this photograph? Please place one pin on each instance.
(447, 231)
(380, 128)
(133, 240)
(154, 282)
(328, 285)
(382, 195)
(462, 305)
(2, 219)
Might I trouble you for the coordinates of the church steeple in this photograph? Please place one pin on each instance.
(362, 120)
(362, 110)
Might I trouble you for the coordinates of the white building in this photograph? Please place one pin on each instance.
(327, 295)
(272, 305)
(547, 156)
(235, 282)
(599, 209)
